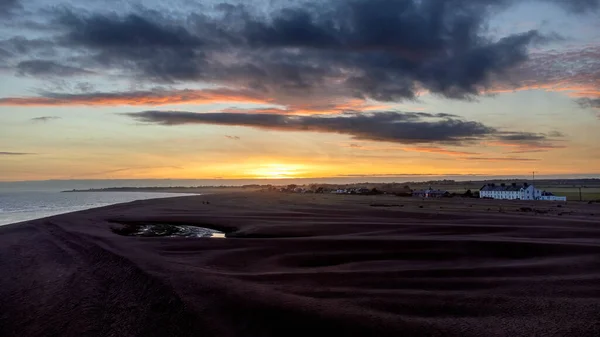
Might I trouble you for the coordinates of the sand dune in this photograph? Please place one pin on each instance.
(299, 265)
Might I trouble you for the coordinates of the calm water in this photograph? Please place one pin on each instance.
(22, 206)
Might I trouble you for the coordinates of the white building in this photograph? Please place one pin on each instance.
(516, 192)
(551, 197)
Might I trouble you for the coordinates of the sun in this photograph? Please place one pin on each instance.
(277, 171)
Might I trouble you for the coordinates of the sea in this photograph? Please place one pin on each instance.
(17, 206)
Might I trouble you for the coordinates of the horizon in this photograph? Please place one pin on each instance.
(83, 184)
(298, 89)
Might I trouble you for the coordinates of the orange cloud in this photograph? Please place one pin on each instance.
(429, 149)
(315, 108)
(500, 159)
(137, 98)
(573, 90)
(332, 108)
(208, 96)
(438, 150)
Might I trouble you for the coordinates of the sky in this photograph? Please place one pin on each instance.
(188, 89)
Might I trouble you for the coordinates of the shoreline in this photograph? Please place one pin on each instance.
(296, 263)
(188, 190)
(41, 213)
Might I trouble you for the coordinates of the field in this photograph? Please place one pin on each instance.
(587, 194)
(589, 191)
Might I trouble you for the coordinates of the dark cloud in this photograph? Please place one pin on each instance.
(578, 6)
(157, 50)
(3, 153)
(407, 128)
(521, 137)
(4, 54)
(528, 137)
(44, 119)
(385, 50)
(21, 46)
(233, 137)
(7, 6)
(49, 68)
(529, 142)
(387, 126)
(589, 102)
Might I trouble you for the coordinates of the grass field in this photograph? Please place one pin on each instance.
(573, 193)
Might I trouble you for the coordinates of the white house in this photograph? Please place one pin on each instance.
(516, 192)
(551, 197)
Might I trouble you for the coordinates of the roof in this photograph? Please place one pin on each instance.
(500, 188)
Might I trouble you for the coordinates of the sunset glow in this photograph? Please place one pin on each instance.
(278, 171)
(118, 92)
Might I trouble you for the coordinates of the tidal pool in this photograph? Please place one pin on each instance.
(167, 230)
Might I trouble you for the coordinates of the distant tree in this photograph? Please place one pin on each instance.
(468, 194)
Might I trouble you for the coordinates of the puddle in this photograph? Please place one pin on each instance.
(166, 230)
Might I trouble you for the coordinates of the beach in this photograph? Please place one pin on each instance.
(305, 264)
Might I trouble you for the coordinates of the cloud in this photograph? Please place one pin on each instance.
(4, 153)
(515, 147)
(119, 170)
(135, 98)
(312, 51)
(521, 137)
(49, 68)
(499, 159)
(589, 102)
(578, 6)
(207, 96)
(157, 50)
(384, 50)
(388, 126)
(437, 150)
(44, 119)
(396, 148)
(574, 72)
(529, 142)
(7, 6)
(22, 46)
(233, 137)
